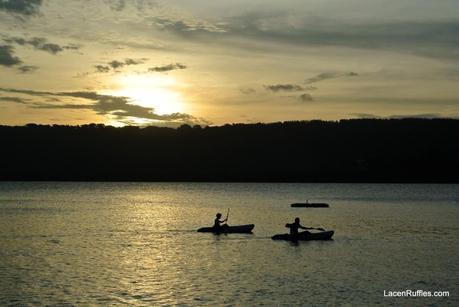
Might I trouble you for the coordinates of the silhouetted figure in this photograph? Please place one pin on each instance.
(218, 225)
(294, 228)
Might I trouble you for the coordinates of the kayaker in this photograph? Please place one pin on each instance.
(294, 227)
(219, 224)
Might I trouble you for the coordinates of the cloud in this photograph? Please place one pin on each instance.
(71, 47)
(23, 7)
(115, 64)
(14, 99)
(7, 57)
(425, 115)
(129, 61)
(168, 67)
(320, 77)
(120, 107)
(117, 5)
(427, 38)
(247, 90)
(102, 68)
(140, 5)
(330, 75)
(400, 116)
(27, 69)
(27, 92)
(287, 88)
(40, 43)
(306, 97)
(187, 27)
(364, 115)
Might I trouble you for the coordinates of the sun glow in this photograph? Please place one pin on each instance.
(151, 91)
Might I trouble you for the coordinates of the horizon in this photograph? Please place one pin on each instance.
(303, 121)
(168, 63)
(191, 125)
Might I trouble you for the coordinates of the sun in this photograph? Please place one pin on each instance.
(151, 91)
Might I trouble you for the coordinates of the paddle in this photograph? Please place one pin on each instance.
(227, 215)
(321, 229)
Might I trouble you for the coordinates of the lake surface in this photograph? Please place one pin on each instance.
(135, 243)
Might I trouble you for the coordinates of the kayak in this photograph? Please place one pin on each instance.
(306, 236)
(309, 205)
(230, 229)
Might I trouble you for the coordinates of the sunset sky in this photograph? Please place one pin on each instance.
(143, 62)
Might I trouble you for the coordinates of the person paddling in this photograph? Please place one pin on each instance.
(218, 225)
(295, 226)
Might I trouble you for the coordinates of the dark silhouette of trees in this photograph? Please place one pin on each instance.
(365, 150)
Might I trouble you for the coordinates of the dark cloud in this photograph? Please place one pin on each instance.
(431, 39)
(437, 39)
(306, 97)
(51, 48)
(14, 99)
(71, 47)
(187, 27)
(23, 7)
(285, 88)
(27, 69)
(7, 57)
(129, 61)
(118, 106)
(168, 67)
(102, 68)
(330, 75)
(40, 43)
(115, 64)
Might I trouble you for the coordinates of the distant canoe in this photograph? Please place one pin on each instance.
(230, 229)
(309, 205)
(306, 236)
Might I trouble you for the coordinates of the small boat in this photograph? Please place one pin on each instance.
(230, 229)
(306, 236)
(309, 205)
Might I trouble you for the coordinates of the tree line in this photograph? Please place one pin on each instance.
(357, 150)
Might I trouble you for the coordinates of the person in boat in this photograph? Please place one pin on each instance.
(219, 225)
(294, 227)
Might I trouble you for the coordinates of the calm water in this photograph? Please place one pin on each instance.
(135, 243)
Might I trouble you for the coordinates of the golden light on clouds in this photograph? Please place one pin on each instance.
(157, 92)
(130, 120)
